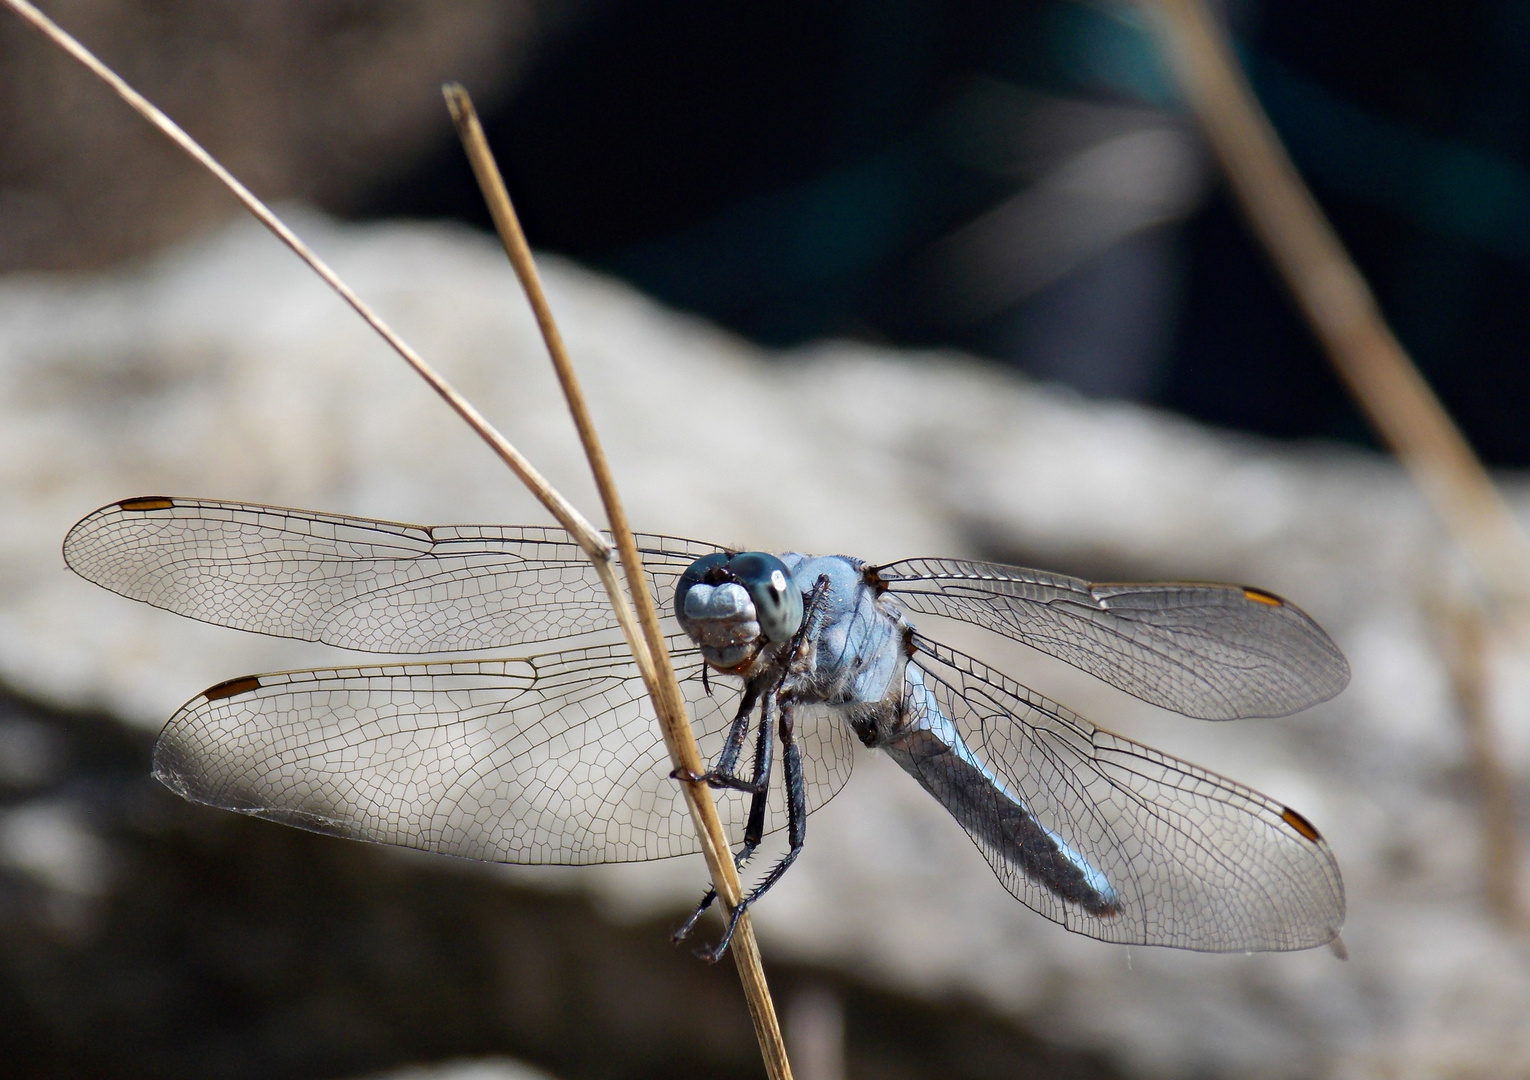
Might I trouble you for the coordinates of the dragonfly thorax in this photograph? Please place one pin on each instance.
(736, 607)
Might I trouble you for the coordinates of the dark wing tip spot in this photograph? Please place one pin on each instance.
(1301, 825)
(1259, 596)
(231, 687)
(151, 502)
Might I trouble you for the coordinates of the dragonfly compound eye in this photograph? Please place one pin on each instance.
(777, 600)
(695, 574)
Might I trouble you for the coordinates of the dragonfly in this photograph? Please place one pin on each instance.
(555, 758)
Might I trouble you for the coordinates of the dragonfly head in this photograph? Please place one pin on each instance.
(733, 606)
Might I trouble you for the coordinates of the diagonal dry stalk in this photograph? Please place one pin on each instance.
(645, 640)
(1339, 306)
(678, 736)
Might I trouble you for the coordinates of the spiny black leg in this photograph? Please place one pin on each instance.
(763, 761)
(796, 798)
(796, 831)
(810, 619)
(812, 615)
(759, 789)
(690, 924)
(723, 776)
(727, 761)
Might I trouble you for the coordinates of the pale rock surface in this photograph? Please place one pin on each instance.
(225, 370)
(481, 1069)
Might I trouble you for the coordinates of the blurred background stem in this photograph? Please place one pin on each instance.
(1339, 307)
(1467, 647)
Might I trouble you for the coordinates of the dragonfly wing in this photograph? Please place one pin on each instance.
(552, 759)
(377, 586)
(1216, 652)
(1111, 838)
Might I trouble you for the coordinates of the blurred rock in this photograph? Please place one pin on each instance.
(223, 370)
(486, 1069)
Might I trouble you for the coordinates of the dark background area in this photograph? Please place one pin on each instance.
(789, 169)
(781, 169)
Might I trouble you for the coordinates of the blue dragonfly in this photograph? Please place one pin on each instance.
(554, 757)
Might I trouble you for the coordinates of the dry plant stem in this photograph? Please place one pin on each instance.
(1466, 648)
(674, 721)
(666, 692)
(1338, 304)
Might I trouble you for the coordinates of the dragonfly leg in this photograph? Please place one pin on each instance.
(690, 923)
(759, 789)
(758, 784)
(764, 754)
(812, 617)
(723, 775)
(796, 798)
(796, 831)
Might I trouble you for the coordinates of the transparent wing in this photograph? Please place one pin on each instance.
(1216, 652)
(552, 759)
(376, 586)
(1152, 850)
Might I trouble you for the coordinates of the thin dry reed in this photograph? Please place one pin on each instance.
(678, 736)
